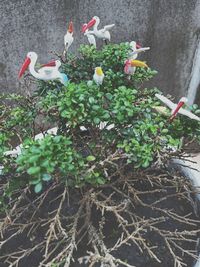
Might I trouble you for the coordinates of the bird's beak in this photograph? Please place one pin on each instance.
(50, 64)
(84, 28)
(91, 23)
(138, 63)
(24, 67)
(179, 106)
(138, 46)
(70, 28)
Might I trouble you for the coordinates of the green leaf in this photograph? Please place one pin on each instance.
(46, 177)
(109, 96)
(90, 158)
(195, 106)
(100, 181)
(33, 159)
(20, 169)
(35, 181)
(64, 114)
(96, 120)
(38, 187)
(33, 170)
(95, 107)
(91, 100)
(145, 164)
(164, 131)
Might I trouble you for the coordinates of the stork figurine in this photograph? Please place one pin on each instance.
(89, 35)
(177, 108)
(136, 49)
(48, 71)
(102, 33)
(131, 64)
(68, 38)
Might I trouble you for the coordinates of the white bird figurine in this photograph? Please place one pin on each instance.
(136, 49)
(131, 64)
(102, 33)
(68, 38)
(89, 35)
(46, 73)
(98, 76)
(177, 108)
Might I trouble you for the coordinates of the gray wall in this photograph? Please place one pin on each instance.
(170, 27)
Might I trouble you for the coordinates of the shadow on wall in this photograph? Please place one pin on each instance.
(167, 26)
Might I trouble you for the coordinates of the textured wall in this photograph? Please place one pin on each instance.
(170, 27)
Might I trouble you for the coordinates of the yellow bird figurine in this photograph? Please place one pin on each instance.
(98, 76)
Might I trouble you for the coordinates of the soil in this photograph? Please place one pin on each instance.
(180, 204)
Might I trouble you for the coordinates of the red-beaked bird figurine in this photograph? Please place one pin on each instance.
(68, 38)
(102, 33)
(177, 108)
(47, 72)
(89, 35)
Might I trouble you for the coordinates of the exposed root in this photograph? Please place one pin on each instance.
(55, 230)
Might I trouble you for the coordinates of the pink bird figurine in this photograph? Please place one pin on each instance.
(177, 108)
(131, 64)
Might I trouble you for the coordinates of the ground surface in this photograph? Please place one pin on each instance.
(152, 207)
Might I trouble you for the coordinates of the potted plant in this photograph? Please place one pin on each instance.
(98, 190)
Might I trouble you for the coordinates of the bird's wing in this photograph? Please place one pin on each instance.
(133, 55)
(142, 49)
(52, 131)
(91, 39)
(162, 110)
(46, 70)
(49, 64)
(108, 27)
(189, 114)
(166, 101)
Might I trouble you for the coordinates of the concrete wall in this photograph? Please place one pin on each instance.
(170, 27)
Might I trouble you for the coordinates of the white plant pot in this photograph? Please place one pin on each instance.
(191, 170)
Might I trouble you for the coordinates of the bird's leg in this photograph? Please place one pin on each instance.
(171, 118)
(64, 55)
(56, 54)
(106, 42)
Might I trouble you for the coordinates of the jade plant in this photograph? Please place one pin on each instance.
(101, 130)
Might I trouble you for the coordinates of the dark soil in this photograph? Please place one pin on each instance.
(180, 204)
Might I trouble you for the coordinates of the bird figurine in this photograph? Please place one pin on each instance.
(68, 38)
(98, 76)
(136, 49)
(131, 64)
(177, 108)
(48, 71)
(102, 33)
(89, 35)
